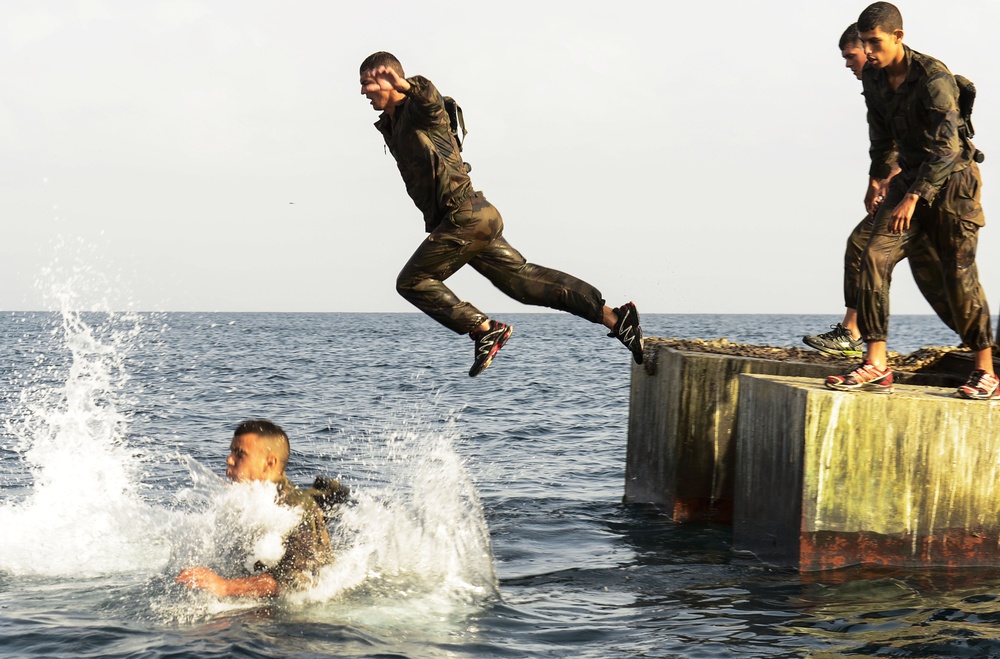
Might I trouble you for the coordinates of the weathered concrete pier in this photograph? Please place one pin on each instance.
(827, 479)
(813, 478)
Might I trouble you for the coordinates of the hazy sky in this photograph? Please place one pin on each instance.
(218, 156)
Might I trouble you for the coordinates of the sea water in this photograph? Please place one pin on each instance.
(486, 517)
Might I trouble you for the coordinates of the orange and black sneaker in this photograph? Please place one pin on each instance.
(980, 386)
(488, 343)
(628, 331)
(866, 377)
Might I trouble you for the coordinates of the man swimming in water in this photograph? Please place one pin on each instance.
(463, 226)
(259, 452)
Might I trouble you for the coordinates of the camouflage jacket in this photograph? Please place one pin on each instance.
(419, 138)
(920, 121)
(307, 546)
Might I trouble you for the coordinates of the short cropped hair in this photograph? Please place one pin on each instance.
(850, 36)
(880, 14)
(272, 434)
(382, 58)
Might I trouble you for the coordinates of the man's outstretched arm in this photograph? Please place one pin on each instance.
(256, 585)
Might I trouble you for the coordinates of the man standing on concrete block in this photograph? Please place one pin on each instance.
(844, 338)
(913, 108)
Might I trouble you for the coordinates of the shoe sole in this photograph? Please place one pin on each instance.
(841, 353)
(834, 351)
(975, 396)
(867, 387)
(637, 356)
(501, 342)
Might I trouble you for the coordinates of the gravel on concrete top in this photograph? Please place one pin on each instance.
(915, 361)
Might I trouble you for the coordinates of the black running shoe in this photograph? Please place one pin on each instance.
(488, 343)
(836, 342)
(627, 330)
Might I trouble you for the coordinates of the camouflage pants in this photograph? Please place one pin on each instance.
(924, 265)
(951, 228)
(473, 234)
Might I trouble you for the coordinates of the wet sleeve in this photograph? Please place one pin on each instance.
(944, 145)
(306, 550)
(882, 149)
(427, 103)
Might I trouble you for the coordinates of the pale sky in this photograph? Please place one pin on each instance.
(217, 155)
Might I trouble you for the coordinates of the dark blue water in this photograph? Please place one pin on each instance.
(488, 518)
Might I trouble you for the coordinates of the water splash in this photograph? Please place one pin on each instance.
(83, 514)
(420, 534)
(412, 547)
(413, 544)
(227, 526)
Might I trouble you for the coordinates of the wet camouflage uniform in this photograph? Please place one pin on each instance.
(307, 546)
(924, 264)
(920, 121)
(463, 226)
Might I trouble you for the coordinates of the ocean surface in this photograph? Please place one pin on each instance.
(487, 516)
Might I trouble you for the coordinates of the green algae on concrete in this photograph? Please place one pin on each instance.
(828, 479)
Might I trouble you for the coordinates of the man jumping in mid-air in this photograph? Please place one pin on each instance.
(465, 228)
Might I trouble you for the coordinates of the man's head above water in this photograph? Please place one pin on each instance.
(259, 452)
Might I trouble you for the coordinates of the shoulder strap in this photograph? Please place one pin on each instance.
(457, 120)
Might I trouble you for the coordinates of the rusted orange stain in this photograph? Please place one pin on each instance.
(830, 550)
(701, 509)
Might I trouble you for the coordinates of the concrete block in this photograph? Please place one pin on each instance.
(828, 479)
(682, 420)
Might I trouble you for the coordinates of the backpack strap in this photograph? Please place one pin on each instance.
(456, 119)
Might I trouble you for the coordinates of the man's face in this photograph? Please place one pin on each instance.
(373, 91)
(881, 48)
(249, 459)
(854, 58)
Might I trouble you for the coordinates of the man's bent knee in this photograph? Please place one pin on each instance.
(410, 286)
(407, 285)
